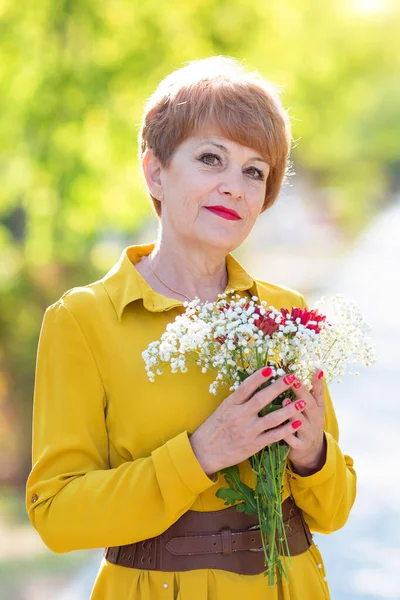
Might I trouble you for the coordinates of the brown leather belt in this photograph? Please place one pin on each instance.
(222, 539)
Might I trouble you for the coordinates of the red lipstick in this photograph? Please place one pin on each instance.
(225, 213)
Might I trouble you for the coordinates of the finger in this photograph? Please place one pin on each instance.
(305, 416)
(299, 436)
(265, 396)
(294, 441)
(279, 433)
(302, 434)
(301, 391)
(318, 388)
(290, 411)
(250, 385)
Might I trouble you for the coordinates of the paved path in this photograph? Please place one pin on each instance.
(363, 559)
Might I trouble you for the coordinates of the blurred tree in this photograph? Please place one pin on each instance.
(74, 75)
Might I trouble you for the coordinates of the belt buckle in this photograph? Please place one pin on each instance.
(255, 549)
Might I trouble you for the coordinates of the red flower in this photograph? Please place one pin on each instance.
(224, 308)
(266, 323)
(308, 318)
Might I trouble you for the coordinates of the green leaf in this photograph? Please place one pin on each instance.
(229, 495)
(242, 375)
(237, 491)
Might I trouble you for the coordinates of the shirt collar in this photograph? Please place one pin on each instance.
(124, 284)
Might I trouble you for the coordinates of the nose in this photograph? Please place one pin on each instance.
(232, 184)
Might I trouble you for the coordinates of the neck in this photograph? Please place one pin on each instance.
(190, 270)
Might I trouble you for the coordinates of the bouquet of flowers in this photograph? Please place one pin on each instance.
(236, 336)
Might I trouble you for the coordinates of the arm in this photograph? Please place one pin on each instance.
(74, 499)
(326, 497)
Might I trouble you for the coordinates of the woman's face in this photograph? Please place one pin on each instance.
(212, 190)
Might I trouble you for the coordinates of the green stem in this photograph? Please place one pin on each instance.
(285, 540)
(272, 528)
(261, 530)
(241, 357)
(329, 350)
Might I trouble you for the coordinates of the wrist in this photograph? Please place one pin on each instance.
(311, 464)
(202, 458)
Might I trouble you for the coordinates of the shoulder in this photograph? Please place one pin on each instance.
(279, 296)
(80, 301)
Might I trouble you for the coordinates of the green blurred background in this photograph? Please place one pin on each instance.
(74, 77)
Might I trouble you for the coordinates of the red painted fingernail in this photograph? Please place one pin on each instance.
(296, 424)
(300, 405)
(320, 375)
(297, 384)
(266, 372)
(287, 402)
(289, 379)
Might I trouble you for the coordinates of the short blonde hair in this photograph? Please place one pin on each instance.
(218, 92)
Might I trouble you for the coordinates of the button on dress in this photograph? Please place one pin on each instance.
(112, 459)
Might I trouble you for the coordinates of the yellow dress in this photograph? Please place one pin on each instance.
(112, 461)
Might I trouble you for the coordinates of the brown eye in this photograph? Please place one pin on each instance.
(255, 173)
(210, 159)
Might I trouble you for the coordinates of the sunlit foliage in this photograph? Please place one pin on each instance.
(74, 76)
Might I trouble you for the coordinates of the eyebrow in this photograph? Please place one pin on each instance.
(224, 149)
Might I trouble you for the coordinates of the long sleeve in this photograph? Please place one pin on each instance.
(74, 499)
(326, 497)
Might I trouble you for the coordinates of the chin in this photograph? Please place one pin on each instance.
(219, 239)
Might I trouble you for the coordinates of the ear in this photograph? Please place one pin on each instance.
(152, 168)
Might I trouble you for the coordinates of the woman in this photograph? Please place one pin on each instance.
(119, 460)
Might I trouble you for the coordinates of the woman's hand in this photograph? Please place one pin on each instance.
(308, 445)
(234, 431)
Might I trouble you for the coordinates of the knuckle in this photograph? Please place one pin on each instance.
(259, 402)
(272, 419)
(262, 398)
(251, 383)
(267, 422)
(275, 435)
(245, 390)
(255, 402)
